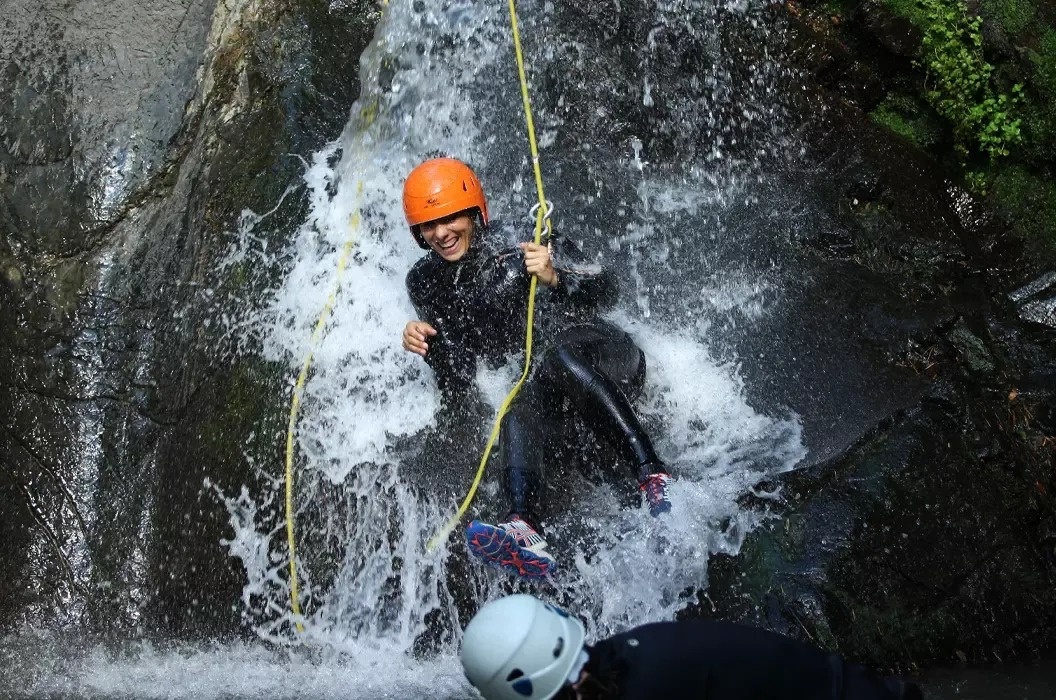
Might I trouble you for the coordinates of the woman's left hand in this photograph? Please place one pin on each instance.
(537, 262)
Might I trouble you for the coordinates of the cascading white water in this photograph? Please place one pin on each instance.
(365, 390)
(422, 81)
(429, 83)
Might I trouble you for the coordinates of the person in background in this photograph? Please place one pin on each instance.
(470, 292)
(520, 648)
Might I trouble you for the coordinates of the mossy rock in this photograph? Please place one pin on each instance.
(1029, 199)
(911, 119)
(913, 10)
(1012, 15)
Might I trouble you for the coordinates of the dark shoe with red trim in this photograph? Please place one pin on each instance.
(654, 486)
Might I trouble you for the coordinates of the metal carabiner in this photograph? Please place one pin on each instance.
(532, 213)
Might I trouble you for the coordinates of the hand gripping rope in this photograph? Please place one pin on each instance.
(542, 212)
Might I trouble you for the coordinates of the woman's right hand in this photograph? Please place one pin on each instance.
(416, 335)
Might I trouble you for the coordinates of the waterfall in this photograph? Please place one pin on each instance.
(654, 170)
(440, 80)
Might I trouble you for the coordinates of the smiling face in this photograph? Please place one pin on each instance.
(450, 236)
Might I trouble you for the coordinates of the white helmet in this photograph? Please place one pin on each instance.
(519, 647)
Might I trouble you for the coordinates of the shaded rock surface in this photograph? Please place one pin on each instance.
(930, 540)
(135, 138)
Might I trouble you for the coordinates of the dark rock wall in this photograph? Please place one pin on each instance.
(872, 53)
(135, 139)
(97, 95)
(931, 539)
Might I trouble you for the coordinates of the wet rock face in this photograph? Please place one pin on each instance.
(685, 81)
(926, 544)
(930, 540)
(98, 90)
(135, 138)
(930, 543)
(1036, 300)
(922, 531)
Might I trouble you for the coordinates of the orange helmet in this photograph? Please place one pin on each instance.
(438, 188)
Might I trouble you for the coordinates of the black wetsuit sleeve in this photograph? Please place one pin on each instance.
(583, 282)
(453, 366)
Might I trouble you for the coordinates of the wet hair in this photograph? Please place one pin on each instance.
(597, 684)
(595, 688)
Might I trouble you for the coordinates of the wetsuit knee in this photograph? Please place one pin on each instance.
(622, 361)
(572, 370)
(604, 348)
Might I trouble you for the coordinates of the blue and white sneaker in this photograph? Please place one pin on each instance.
(513, 546)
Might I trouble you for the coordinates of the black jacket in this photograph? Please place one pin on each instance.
(478, 304)
(706, 660)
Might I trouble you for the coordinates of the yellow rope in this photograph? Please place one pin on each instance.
(298, 393)
(540, 218)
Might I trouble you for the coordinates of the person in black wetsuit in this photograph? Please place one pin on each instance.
(520, 648)
(471, 296)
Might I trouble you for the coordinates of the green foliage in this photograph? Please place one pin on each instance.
(894, 121)
(958, 76)
(1039, 127)
(838, 7)
(959, 81)
(904, 116)
(978, 181)
(1044, 60)
(1039, 122)
(961, 87)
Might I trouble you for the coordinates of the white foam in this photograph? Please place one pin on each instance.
(429, 82)
(365, 391)
(237, 670)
